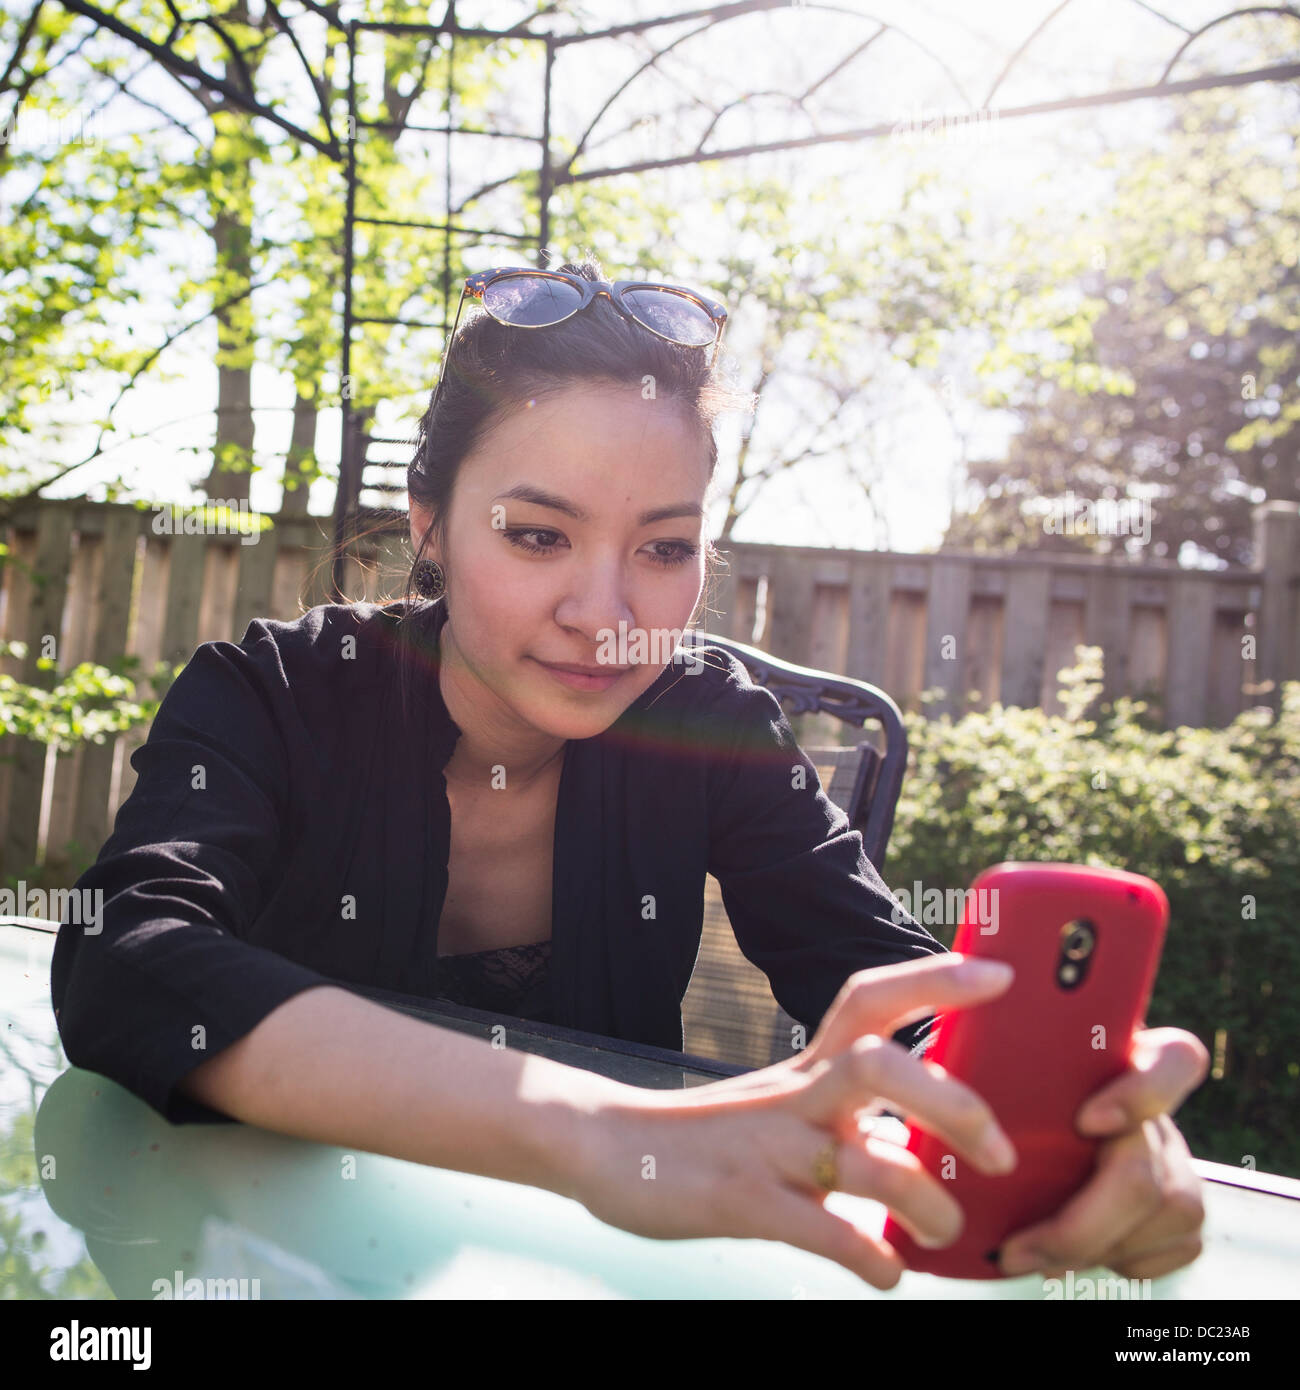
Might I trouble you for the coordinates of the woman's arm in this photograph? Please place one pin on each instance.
(169, 966)
(726, 1159)
(805, 903)
(330, 1066)
(734, 1158)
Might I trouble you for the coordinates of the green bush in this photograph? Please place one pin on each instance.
(88, 704)
(1212, 815)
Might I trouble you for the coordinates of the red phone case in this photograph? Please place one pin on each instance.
(1035, 1053)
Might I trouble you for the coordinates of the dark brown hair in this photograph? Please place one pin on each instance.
(492, 370)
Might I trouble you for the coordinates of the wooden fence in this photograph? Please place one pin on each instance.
(87, 581)
(96, 582)
(1201, 645)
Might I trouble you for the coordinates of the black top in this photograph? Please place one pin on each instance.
(288, 828)
(507, 980)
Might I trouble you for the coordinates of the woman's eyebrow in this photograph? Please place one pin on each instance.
(526, 492)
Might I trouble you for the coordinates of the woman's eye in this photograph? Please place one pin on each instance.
(668, 554)
(517, 537)
(679, 552)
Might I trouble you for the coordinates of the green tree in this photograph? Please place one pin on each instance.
(95, 229)
(1194, 269)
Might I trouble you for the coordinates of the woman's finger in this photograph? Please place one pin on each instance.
(1127, 1189)
(889, 1174)
(1165, 1066)
(1163, 1261)
(889, 997)
(1182, 1214)
(865, 1167)
(875, 1067)
(803, 1222)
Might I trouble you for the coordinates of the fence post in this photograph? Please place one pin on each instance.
(1277, 557)
(49, 592)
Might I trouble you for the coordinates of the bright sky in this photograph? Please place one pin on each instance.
(1010, 165)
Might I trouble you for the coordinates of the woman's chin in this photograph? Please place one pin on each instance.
(565, 712)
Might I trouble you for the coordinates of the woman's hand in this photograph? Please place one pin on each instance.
(1140, 1213)
(736, 1157)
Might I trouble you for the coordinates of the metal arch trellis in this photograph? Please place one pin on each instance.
(237, 86)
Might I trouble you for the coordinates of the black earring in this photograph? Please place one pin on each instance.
(429, 579)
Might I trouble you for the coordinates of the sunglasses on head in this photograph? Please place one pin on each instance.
(525, 298)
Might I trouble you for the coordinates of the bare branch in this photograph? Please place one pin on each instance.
(145, 364)
(142, 101)
(24, 38)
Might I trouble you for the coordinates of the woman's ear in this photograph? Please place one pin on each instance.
(421, 517)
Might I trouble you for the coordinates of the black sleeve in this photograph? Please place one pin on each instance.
(806, 904)
(164, 979)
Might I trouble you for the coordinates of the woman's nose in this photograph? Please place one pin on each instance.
(597, 608)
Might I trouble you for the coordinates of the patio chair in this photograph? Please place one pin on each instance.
(729, 1011)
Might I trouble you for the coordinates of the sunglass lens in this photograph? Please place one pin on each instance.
(673, 315)
(531, 300)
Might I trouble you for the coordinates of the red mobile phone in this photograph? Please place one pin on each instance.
(1084, 943)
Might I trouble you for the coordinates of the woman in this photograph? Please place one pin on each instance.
(495, 795)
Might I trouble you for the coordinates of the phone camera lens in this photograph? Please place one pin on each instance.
(1079, 941)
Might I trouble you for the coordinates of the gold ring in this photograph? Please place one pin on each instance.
(826, 1172)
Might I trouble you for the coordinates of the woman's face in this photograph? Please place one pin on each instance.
(577, 519)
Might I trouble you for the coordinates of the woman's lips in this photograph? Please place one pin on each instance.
(585, 680)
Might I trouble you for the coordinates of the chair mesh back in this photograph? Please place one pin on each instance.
(728, 1011)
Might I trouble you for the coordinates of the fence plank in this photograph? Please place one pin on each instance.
(217, 597)
(1146, 653)
(1191, 631)
(868, 652)
(119, 552)
(17, 595)
(146, 643)
(254, 581)
(982, 668)
(905, 662)
(1230, 672)
(1277, 551)
(1106, 625)
(44, 620)
(828, 648)
(1024, 627)
(1065, 627)
(947, 614)
(289, 583)
(316, 538)
(789, 601)
(829, 627)
(354, 583)
(75, 646)
(187, 562)
(742, 626)
(51, 566)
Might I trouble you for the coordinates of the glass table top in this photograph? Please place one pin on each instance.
(101, 1198)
